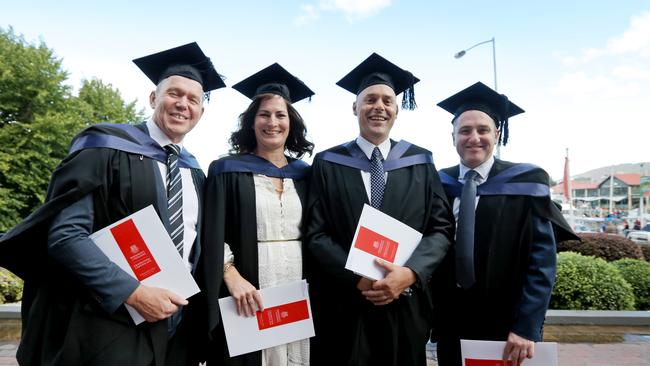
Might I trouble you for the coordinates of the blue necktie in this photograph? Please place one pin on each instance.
(376, 178)
(175, 197)
(465, 233)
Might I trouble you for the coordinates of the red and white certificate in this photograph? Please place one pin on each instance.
(286, 318)
(490, 353)
(141, 246)
(380, 236)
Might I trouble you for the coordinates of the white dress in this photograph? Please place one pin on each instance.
(279, 252)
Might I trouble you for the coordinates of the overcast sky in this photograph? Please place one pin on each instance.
(580, 69)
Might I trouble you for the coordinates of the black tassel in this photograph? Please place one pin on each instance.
(503, 138)
(408, 98)
(504, 132)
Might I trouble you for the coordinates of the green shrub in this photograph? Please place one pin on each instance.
(601, 245)
(11, 287)
(588, 283)
(637, 274)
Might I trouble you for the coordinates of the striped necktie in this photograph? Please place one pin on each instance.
(376, 178)
(465, 232)
(175, 197)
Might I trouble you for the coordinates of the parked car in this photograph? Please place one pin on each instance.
(639, 237)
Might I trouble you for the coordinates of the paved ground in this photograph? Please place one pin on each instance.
(634, 353)
(630, 353)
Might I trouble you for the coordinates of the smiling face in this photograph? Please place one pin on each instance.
(178, 106)
(271, 124)
(376, 111)
(474, 135)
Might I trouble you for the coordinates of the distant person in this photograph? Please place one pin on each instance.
(73, 305)
(637, 224)
(254, 202)
(496, 283)
(359, 321)
(626, 228)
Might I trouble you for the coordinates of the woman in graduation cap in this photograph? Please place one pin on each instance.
(253, 209)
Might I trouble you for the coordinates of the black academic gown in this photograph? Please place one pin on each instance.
(504, 231)
(62, 321)
(349, 329)
(230, 216)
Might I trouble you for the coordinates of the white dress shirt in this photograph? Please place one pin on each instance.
(483, 171)
(367, 147)
(190, 197)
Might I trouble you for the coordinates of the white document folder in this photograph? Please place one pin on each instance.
(380, 236)
(141, 246)
(480, 353)
(286, 318)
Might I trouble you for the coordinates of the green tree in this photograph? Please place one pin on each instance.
(38, 118)
(31, 79)
(99, 102)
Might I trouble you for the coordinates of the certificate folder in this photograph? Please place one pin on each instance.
(380, 236)
(286, 318)
(141, 246)
(490, 353)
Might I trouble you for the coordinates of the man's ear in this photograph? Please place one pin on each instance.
(152, 99)
(354, 108)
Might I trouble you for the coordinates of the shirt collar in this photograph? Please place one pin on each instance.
(367, 147)
(483, 170)
(159, 136)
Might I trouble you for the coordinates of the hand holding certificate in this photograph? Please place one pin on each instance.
(490, 353)
(286, 318)
(380, 236)
(141, 246)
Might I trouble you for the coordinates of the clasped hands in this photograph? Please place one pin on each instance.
(388, 289)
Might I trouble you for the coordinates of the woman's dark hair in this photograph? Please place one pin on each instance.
(243, 140)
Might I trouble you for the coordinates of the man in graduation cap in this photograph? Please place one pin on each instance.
(73, 299)
(497, 281)
(358, 321)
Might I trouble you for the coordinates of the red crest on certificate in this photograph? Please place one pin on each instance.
(135, 250)
(376, 244)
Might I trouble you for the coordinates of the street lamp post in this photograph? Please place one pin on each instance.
(462, 53)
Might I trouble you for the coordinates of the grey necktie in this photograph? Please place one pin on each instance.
(376, 178)
(175, 197)
(465, 233)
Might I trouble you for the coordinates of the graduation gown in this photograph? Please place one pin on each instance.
(63, 323)
(230, 216)
(510, 248)
(349, 329)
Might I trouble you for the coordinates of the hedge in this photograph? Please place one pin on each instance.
(645, 248)
(637, 274)
(601, 245)
(589, 283)
(11, 287)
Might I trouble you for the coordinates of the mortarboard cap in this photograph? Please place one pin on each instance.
(377, 70)
(482, 98)
(275, 80)
(187, 60)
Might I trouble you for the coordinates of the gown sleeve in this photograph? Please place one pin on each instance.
(327, 254)
(539, 281)
(68, 243)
